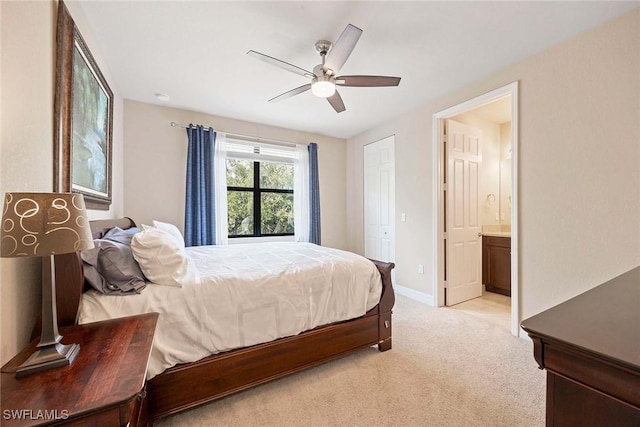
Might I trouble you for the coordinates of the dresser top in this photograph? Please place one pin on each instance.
(604, 321)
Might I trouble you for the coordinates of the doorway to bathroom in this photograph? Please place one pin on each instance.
(475, 148)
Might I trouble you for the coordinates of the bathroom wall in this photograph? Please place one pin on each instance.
(505, 173)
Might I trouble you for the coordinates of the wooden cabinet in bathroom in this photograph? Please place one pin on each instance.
(496, 264)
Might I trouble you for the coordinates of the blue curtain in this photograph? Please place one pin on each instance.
(200, 213)
(314, 195)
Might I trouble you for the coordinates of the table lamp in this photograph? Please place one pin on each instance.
(45, 224)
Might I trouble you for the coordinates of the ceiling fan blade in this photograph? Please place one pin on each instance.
(367, 81)
(342, 48)
(291, 93)
(336, 102)
(278, 63)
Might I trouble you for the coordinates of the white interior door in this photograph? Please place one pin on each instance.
(462, 225)
(379, 199)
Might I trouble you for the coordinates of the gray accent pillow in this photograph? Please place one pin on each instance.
(117, 234)
(111, 269)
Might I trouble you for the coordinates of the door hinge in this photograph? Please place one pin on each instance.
(444, 186)
(446, 284)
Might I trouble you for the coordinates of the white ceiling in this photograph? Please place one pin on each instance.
(196, 52)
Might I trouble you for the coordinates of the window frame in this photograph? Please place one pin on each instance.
(257, 192)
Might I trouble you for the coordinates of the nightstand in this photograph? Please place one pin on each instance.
(104, 386)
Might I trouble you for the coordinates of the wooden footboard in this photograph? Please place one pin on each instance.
(185, 386)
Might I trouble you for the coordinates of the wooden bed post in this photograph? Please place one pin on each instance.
(387, 300)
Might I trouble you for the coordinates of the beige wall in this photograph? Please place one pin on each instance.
(579, 186)
(27, 71)
(155, 165)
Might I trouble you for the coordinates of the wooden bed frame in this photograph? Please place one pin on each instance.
(188, 385)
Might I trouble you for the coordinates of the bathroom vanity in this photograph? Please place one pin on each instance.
(496, 262)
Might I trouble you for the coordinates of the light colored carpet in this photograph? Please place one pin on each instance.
(446, 368)
(492, 307)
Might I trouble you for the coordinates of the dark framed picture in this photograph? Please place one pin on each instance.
(83, 112)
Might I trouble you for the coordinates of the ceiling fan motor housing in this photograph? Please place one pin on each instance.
(323, 47)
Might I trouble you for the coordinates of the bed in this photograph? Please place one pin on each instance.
(187, 385)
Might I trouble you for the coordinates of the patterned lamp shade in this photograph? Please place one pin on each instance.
(42, 224)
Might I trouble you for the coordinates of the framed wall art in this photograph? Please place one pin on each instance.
(83, 110)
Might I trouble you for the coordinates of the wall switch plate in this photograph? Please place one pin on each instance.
(420, 268)
(403, 217)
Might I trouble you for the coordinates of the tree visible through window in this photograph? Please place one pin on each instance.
(259, 198)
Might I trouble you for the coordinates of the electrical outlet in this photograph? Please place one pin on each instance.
(420, 268)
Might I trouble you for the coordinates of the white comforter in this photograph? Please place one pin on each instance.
(244, 295)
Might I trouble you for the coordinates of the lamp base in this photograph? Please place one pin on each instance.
(47, 357)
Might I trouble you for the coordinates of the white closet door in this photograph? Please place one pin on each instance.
(379, 200)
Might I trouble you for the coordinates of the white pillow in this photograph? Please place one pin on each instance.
(161, 257)
(171, 229)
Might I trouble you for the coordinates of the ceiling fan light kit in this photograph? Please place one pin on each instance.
(323, 79)
(323, 86)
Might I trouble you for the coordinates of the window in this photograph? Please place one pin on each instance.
(259, 190)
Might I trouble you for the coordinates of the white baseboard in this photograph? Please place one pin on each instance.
(414, 295)
(522, 334)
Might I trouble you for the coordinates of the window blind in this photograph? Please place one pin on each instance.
(259, 151)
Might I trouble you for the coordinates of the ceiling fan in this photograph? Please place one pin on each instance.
(323, 78)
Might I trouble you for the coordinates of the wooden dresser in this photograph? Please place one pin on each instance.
(590, 347)
(104, 386)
